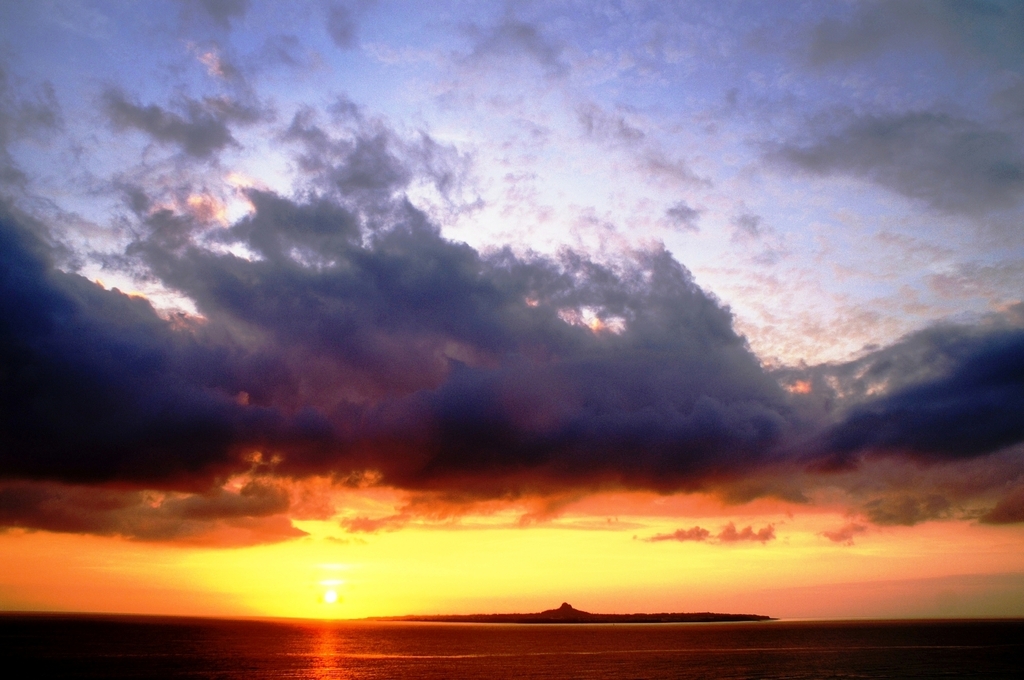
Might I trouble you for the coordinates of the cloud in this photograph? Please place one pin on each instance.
(222, 12)
(367, 341)
(617, 132)
(251, 515)
(366, 164)
(612, 127)
(343, 22)
(691, 534)
(444, 354)
(988, 29)
(218, 63)
(682, 216)
(283, 49)
(654, 162)
(907, 510)
(729, 534)
(98, 387)
(200, 131)
(365, 525)
(514, 39)
(340, 332)
(945, 393)
(949, 163)
(747, 226)
(1009, 510)
(35, 116)
(845, 533)
(1010, 100)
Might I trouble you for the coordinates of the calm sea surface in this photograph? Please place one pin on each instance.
(147, 647)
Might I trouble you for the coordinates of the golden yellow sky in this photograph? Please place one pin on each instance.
(490, 562)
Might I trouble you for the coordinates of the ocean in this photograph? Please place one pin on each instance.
(100, 646)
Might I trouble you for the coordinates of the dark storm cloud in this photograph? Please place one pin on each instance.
(351, 342)
(928, 428)
(946, 393)
(343, 334)
(201, 130)
(951, 164)
(253, 514)
(442, 362)
(96, 387)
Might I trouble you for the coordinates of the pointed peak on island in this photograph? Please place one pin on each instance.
(565, 610)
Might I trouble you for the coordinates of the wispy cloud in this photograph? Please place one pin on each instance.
(728, 534)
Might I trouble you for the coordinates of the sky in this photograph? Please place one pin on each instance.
(352, 308)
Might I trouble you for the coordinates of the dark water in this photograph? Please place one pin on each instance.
(145, 647)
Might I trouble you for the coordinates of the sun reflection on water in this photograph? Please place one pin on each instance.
(327, 654)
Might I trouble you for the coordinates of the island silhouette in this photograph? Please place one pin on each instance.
(569, 614)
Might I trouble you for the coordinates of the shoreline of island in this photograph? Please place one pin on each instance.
(566, 613)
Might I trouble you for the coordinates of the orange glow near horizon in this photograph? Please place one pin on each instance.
(597, 562)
